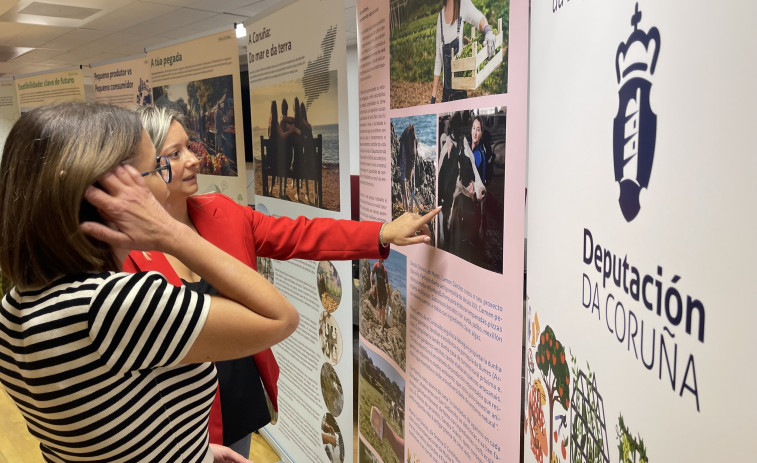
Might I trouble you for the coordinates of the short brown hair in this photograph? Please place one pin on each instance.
(52, 154)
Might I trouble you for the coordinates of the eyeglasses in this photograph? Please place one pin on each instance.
(164, 168)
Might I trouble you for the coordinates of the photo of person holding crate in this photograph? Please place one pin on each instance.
(449, 39)
(462, 43)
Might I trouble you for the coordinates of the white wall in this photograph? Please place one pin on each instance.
(353, 109)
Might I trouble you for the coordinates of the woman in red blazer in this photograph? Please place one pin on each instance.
(240, 407)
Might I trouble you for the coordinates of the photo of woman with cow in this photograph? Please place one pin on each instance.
(471, 185)
(413, 155)
(296, 144)
(208, 109)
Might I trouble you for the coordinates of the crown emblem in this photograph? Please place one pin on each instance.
(638, 56)
(635, 124)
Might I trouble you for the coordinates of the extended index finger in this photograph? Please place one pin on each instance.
(430, 215)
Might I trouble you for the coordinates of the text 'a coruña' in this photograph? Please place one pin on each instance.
(629, 327)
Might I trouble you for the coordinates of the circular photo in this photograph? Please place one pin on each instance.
(265, 268)
(331, 388)
(333, 442)
(329, 286)
(331, 338)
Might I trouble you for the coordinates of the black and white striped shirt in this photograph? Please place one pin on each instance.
(92, 362)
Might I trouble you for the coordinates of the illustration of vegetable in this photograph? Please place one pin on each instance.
(629, 448)
(550, 359)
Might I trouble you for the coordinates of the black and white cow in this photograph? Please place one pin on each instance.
(458, 178)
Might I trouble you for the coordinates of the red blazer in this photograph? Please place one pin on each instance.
(246, 234)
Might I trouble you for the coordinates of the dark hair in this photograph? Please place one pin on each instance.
(273, 129)
(297, 112)
(52, 154)
(455, 10)
(303, 111)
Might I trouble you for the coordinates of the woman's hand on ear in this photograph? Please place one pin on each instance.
(134, 219)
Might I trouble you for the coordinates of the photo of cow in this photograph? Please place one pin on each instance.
(471, 185)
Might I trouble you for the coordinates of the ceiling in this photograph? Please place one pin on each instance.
(46, 35)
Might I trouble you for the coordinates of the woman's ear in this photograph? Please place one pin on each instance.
(88, 212)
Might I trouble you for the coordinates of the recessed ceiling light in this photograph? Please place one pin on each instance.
(241, 30)
(55, 10)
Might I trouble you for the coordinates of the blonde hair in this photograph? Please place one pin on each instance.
(157, 120)
(52, 154)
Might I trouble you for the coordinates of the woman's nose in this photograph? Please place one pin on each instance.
(189, 157)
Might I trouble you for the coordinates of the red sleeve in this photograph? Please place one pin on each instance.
(314, 239)
(129, 265)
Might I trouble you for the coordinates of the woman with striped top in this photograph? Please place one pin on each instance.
(110, 366)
